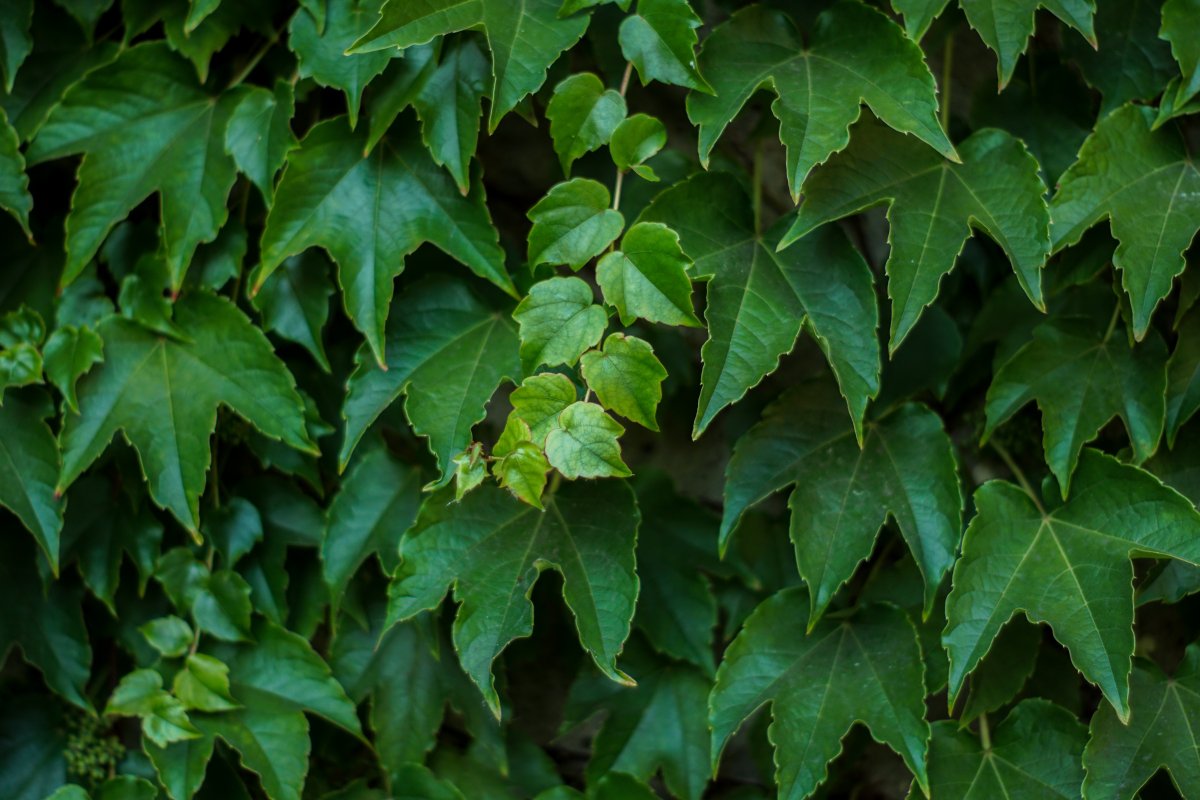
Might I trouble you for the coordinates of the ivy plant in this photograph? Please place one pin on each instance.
(599, 399)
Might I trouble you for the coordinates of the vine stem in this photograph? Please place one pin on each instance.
(947, 86)
(1112, 322)
(1018, 473)
(625, 78)
(262, 51)
(985, 733)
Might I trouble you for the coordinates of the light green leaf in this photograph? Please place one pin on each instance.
(163, 394)
(259, 134)
(169, 635)
(322, 50)
(583, 115)
(294, 302)
(933, 205)
(758, 298)
(29, 462)
(164, 719)
(648, 277)
(572, 224)
(855, 54)
(1068, 568)
(1081, 377)
(203, 684)
(491, 548)
(334, 197)
(145, 126)
(448, 351)
(524, 40)
(69, 353)
(660, 40)
(1146, 185)
(842, 494)
(863, 670)
(586, 443)
(539, 401)
(636, 139)
(558, 321)
(470, 470)
(626, 377)
(1122, 756)
(522, 470)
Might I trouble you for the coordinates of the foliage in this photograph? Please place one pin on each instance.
(602, 399)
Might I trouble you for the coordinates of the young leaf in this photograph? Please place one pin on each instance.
(523, 471)
(259, 134)
(1147, 186)
(1068, 568)
(492, 547)
(1033, 755)
(635, 140)
(1082, 377)
(648, 277)
(164, 718)
(558, 320)
(169, 635)
(448, 350)
(539, 401)
(867, 669)
(626, 377)
(163, 394)
(586, 443)
(855, 53)
(572, 223)
(333, 197)
(1160, 733)
(203, 684)
(660, 40)
(932, 207)
(758, 298)
(842, 494)
(583, 115)
(28, 468)
(524, 41)
(145, 126)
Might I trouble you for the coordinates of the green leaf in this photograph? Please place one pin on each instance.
(1183, 376)
(29, 462)
(1003, 673)
(1081, 377)
(1033, 755)
(660, 40)
(759, 298)
(635, 140)
(492, 547)
(259, 134)
(523, 472)
(1147, 186)
(524, 41)
(451, 129)
(399, 86)
(470, 470)
(14, 184)
(1180, 20)
(322, 49)
(583, 115)
(15, 41)
(1121, 757)
(572, 224)
(181, 766)
(854, 53)
(170, 635)
(163, 394)
(69, 353)
(648, 277)
(376, 505)
(1126, 60)
(586, 443)
(203, 684)
(842, 494)
(164, 719)
(294, 302)
(1068, 568)
(933, 206)
(539, 401)
(32, 747)
(558, 321)
(866, 669)
(144, 126)
(199, 45)
(320, 201)
(448, 350)
(626, 377)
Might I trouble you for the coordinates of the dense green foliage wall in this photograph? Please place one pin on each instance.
(599, 399)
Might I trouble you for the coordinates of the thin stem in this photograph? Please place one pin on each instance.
(1018, 473)
(625, 78)
(617, 190)
(258, 56)
(947, 85)
(985, 733)
(1112, 323)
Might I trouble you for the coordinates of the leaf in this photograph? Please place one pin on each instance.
(219, 602)
(200, 44)
(164, 719)
(539, 401)
(1068, 568)
(448, 351)
(1082, 377)
(842, 495)
(932, 207)
(1180, 19)
(572, 224)
(524, 44)
(626, 377)
(867, 669)
(648, 277)
(294, 302)
(451, 129)
(169, 635)
(660, 40)
(401, 83)
(585, 443)
(14, 184)
(1122, 756)
(320, 201)
(376, 505)
(322, 49)
(854, 53)
(1183, 376)
(583, 115)
(492, 547)
(523, 472)
(69, 354)
(163, 394)
(1145, 183)
(203, 684)
(144, 126)
(1034, 754)
(558, 321)
(15, 41)
(29, 462)
(1126, 61)
(1003, 673)
(638, 138)
(259, 134)
(32, 747)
